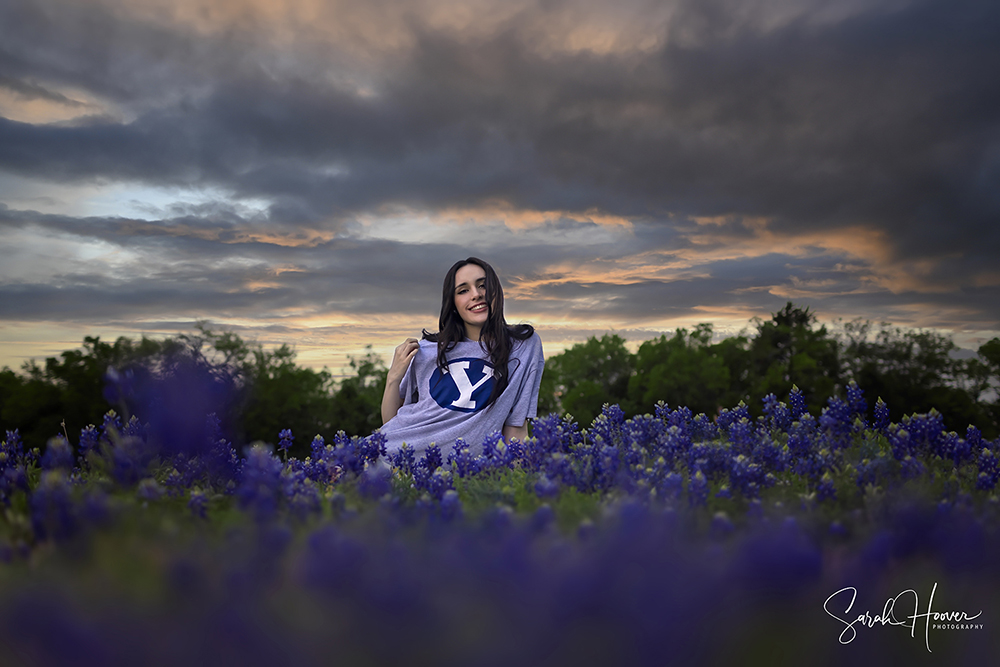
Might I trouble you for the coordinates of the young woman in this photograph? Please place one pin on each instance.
(475, 376)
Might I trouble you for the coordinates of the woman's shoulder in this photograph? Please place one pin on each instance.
(531, 342)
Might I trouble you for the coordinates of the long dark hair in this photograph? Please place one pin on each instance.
(496, 337)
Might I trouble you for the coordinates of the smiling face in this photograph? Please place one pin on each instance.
(470, 298)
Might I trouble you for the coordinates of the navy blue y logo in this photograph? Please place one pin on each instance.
(466, 385)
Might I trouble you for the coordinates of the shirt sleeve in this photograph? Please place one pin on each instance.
(526, 403)
(408, 385)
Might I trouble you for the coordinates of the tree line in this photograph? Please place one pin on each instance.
(176, 382)
(911, 370)
(255, 393)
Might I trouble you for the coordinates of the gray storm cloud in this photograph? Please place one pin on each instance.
(784, 118)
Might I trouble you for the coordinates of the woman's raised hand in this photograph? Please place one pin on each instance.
(401, 359)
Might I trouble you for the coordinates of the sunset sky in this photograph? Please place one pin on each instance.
(305, 171)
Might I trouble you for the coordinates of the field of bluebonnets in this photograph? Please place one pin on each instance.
(790, 538)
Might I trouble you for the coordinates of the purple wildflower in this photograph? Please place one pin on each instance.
(53, 514)
(881, 422)
(260, 489)
(198, 503)
(698, 490)
(285, 439)
(797, 403)
(58, 454)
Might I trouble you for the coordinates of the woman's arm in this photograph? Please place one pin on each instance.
(519, 432)
(401, 359)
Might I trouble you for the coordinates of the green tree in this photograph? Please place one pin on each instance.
(282, 395)
(985, 374)
(357, 406)
(583, 378)
(684, 370)
(789, 350)
(915, 371)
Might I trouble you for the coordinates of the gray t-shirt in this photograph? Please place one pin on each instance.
(440, 407)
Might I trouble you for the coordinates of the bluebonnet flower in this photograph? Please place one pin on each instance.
(729, 417)
(899, 440)
(770, 455)
(13, 478)
(743, 435)
(746, 477)
(779, 417)
(926, 433)
(871, 472)
(607, 467)
(13, 447)
(643, 432)
(130, 458)
(681, 418)
(462, 461)
(881, 422)
(546, 488)
(317, 446)
(670, 486)
(609, 424)
(260, 487)
(53, 514)
(837, 423)
(432, 458)
(303, 498)
(285, 439)
(345, 453)
(856, 399)
(134, 428)
(495, 452)
(403, 459)
(198, 503)
(712, 459)
(814, 464)
(552, 434)
(974, 437)
(801, 436)
(698, 489)
(89, 438)
(111, 427)
(515, 451)
(675, 445)
(451, 505)
(371, 448)
(912, 468)
(989, 470)
(375, 482)
(826, 490)
(559, 467)
(950, 446)
(703, 428)
(797, 403)
(58, 454)
(440, 483)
